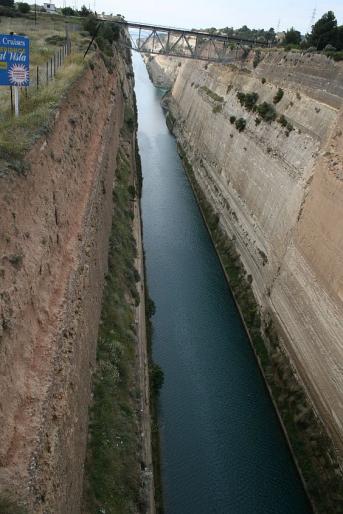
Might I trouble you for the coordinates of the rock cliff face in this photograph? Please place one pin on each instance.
(55, 224)
(277, 188)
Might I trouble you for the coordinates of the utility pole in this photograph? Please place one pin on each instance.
(35, 12)
(313, 17)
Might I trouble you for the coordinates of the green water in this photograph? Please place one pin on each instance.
(223, 451)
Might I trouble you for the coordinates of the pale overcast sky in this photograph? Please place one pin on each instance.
(218, 13)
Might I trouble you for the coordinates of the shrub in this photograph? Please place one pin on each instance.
(257, 58)
(240, 124)
(263, 80)
(7, 11)
(23, 7)
(105, 34)
(7, 506)
(292, 37)
(232, 119)
(7, 3)
(68, 11)
(336, 56)
(212, 94)
(257, 121)
(248, 100)
(241, 97)
(278, 96)
(132, 191)
(282, 120)
(55, 40)
(84, 11)
(217, 108)
(156, 378)
(266, 111)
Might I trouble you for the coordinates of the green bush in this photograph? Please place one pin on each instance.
(282, 120)
(7, 3)
(156, 378)
(7, 11)
(55, 40)
(336, 56)
(23, 7)
(278, 96)
(266, 111)
(257, 58)
(8, 506)
(248, 100)
(217, 108)
(240, 124)
(68, 11)
(232, 119)
(212, 94)
(263, 80)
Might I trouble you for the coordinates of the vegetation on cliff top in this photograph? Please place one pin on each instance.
(37, 105)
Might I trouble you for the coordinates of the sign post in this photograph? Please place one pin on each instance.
(16, 100)
(14, 64)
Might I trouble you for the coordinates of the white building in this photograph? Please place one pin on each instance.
(50, 8)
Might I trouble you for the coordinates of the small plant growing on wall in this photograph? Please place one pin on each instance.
(278, 96)
(266, 112)
(257, 58)
(240, 124)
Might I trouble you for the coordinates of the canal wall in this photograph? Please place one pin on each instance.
(275, 187)
(56, 218)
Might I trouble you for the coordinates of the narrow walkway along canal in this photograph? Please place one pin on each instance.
(223, 451)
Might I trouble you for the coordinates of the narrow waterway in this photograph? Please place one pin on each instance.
(223, 451)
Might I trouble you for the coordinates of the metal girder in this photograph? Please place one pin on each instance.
(189, 44)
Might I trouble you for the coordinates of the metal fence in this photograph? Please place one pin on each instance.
(42, 74)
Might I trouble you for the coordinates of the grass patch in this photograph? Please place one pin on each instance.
(211, 94)
(37, 107)
(217, 108)
(8, 506)
(18, 134)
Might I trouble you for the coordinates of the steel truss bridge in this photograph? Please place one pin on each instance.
(191, 44)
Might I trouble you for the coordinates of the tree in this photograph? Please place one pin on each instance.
(339, 38)
(68, 11)
(84, 11)
(324, 31)
(270, 35)
(23, 7)
(292, 37)
(156, 378)
(7, 3)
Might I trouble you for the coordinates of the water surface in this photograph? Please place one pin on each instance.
(223, 451)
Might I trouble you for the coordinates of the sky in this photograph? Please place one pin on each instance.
(217, 13)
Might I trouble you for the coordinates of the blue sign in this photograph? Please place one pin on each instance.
(14, 60)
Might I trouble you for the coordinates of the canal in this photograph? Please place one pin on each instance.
(223, 451)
